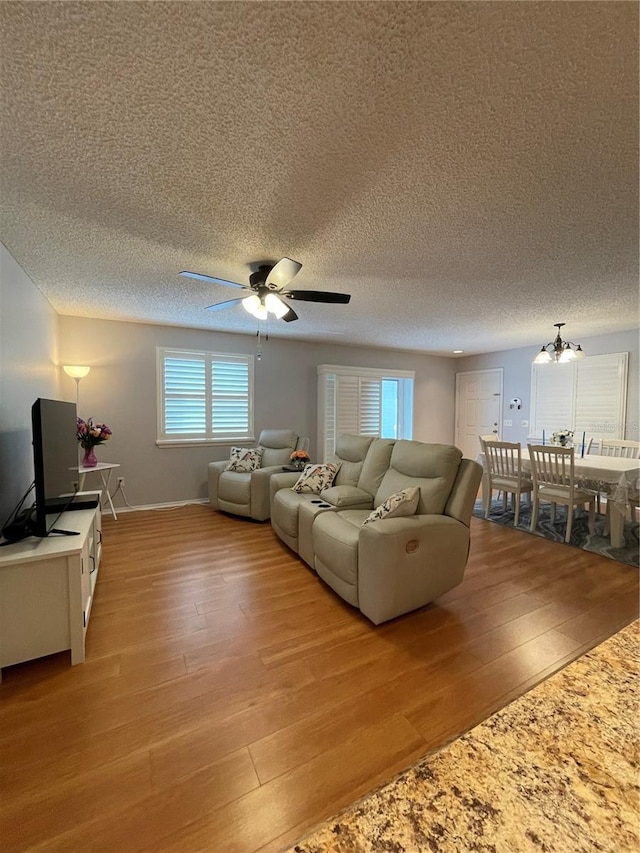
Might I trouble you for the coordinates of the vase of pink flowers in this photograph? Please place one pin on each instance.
(90, 434)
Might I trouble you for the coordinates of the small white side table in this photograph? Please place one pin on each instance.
(105, 469)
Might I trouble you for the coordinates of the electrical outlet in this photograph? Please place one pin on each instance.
(507, 423)
(121, 482)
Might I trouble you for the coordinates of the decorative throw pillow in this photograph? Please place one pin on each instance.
(245, 459)
(315, 478)
(402, 503)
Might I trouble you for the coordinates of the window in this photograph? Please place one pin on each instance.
(363, 401)
(585, 396)
(204, 397)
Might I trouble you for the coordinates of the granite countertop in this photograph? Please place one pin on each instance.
(556, 770)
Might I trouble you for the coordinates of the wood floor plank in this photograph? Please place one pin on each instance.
(230, 700)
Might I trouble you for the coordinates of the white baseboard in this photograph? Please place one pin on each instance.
(164, 506)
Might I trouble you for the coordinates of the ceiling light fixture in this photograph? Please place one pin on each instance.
(558, 350)
(260, 306)
(254, 306)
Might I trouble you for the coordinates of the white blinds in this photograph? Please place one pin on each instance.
(352, 400)
(204, 396)
(585, 396)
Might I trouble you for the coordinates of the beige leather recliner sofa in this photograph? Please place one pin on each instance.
(247, 493)
(394, 565)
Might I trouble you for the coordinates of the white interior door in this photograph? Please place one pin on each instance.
(478, 408)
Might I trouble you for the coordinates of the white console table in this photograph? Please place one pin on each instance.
(105, 469)
(46, 590)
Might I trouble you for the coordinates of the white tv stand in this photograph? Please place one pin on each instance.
(46, 590)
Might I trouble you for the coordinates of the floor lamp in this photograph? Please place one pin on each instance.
(76, 372)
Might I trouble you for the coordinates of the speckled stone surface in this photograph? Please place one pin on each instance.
(556, 770)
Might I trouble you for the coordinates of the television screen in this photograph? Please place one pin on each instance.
(55, 458)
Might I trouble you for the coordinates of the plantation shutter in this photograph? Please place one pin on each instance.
(601, 395)
(351, 400)
(369, 414)
(552, 391)
(204, 396)
(230, 397)
(584, 396)
(184, 396)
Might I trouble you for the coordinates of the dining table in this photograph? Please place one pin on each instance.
(616, 478)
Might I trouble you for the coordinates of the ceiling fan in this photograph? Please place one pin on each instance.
(266, 289)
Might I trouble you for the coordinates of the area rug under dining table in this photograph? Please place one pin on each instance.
(556, 770)
(598, 542)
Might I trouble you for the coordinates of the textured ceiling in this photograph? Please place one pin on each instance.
(467, 171)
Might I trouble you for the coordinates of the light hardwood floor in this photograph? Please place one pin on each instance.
(230, 701)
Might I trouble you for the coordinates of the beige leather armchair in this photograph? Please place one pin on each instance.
(247, 493)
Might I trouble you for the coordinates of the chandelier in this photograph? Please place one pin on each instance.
(558, 350)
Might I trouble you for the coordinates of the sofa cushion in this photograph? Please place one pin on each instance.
(401, 504)
(316, 478)
(344, 497)
(245, 459)
(375, 466)
(235, 487)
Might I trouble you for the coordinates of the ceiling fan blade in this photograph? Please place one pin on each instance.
(226, 304)
(290, 316)
(282, 273)
(211, 279)
(317, 296)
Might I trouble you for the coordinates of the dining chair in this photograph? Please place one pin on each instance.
(622, 448)
(619, 447)
(552, 469)
(504, 473)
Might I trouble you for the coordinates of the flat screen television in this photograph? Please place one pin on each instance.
(55, 461)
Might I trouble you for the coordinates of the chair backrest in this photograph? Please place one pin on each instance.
(619, 447)
(502, 459)
(431, 467)
(491, 437)
(551, 465)
(351, 451)
(277, 446)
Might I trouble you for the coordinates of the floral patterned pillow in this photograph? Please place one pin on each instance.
(402, 503)
(245, 459)
(316, 478)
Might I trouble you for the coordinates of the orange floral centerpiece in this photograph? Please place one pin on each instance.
(299, 458)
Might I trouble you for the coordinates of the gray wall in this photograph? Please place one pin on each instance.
(516, 365)
(28, 335)
(120, 390)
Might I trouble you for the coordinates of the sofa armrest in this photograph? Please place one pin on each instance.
(404, 563)
(214, 471)
(260, 491)
(283, 480)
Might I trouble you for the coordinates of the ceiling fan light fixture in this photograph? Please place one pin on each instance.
(254, 306)
(274, 304)
(562, 352)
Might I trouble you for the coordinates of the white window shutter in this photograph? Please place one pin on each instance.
(587, 396)
(369, 415)
(552, 398)
(601, 397)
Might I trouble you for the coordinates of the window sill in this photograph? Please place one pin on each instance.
(203, 442)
